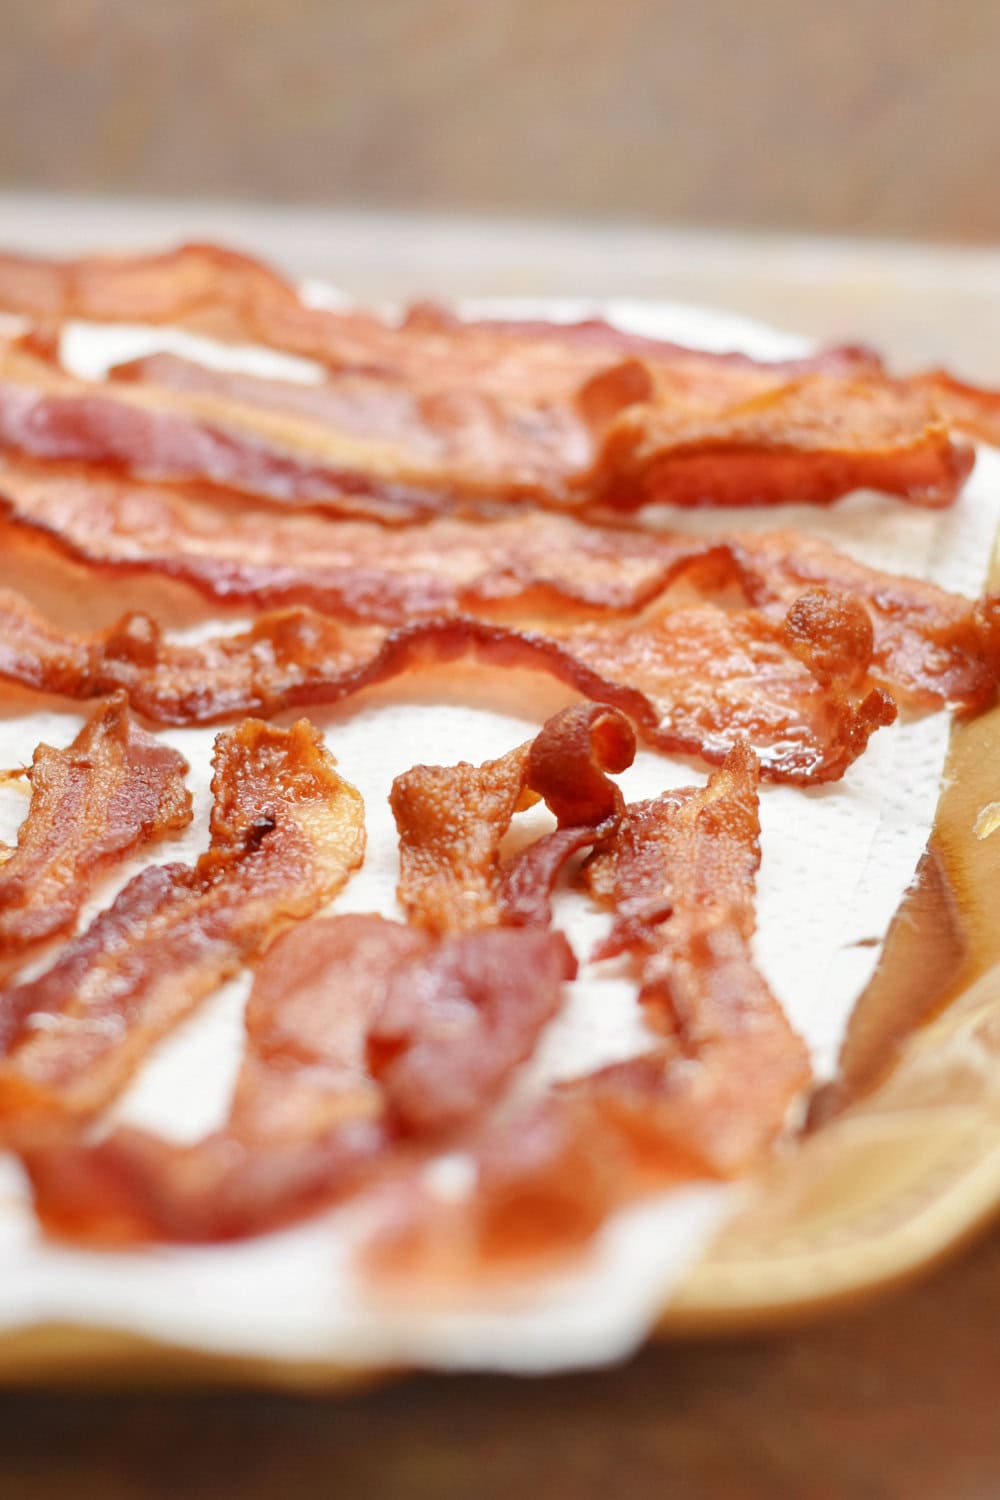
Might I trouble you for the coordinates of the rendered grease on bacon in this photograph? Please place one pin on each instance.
(114, 790)
(693, 679)
(286, 832)
(362, 1036)
(812, 439)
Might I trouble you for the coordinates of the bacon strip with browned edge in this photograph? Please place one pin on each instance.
(362, 1033)
(625, 441)
(114, 790)
(694, 680)
(286, 832)
(929, 647)
(679, 875)
(812, 439)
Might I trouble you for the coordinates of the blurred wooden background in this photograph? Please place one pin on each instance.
(864, 116)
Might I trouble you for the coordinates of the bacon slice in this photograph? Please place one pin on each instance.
(930, 647)
(693, 680)
(217, 290)
(679, 874)
(115, 789)
(694, 432)
(162, 435)
(969, 408)
(812, 439)
(445, 1023)
(452, 819)
(235, 552)
(286, 832)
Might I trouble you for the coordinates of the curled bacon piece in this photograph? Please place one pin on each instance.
(452, 819)
(286, 832)
(443, 1024)
(113, 790)
(693, 680)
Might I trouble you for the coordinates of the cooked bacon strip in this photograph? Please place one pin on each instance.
(969, 408)
(813, 439)
(115, 789)
(600, 335)
(697, 431)
(678, 872)
(705, 432)
(154, 434)
(679, 875)
(220, 291)
(930, 647)
(444, 1023)
(693, 680)
(235, 552)
(452, 819)
(286, 832)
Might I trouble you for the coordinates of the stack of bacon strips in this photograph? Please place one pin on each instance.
(442, 489)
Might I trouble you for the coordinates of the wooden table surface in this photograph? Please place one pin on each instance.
(902, 1399)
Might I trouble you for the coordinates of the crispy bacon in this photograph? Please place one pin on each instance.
(679, 875)
(452, 820)
(811, 439)
(235, 552)
(929, 647)
(694, 680)
(443, 1023)
(696, 430)
(115, 789)
(286, 832)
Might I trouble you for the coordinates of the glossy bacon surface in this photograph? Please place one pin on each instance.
(709, 1096)
(114, 790)
(692, 679)
(443, 1023)
(436, 415)
(286, 832)
(812, 439)
(679, 875)
(452, 820)
(929, 646)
